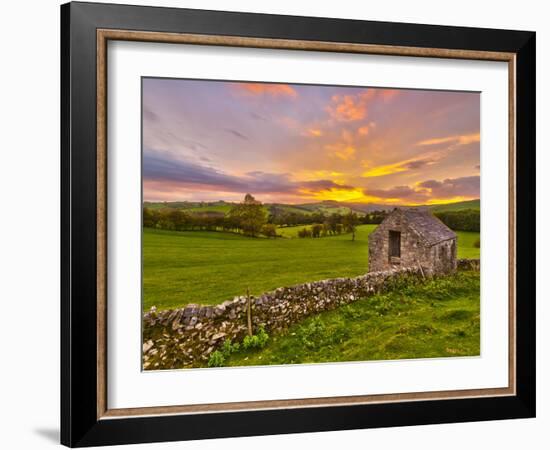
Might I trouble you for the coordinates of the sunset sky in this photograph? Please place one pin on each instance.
(286, 143)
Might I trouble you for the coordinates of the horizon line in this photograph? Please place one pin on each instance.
(316, 202)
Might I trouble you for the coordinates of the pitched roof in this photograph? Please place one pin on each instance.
(429, 227)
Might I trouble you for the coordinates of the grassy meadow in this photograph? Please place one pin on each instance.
(206, 267)
(438, 318)
(458, 206)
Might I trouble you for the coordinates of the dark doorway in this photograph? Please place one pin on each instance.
(395, 244)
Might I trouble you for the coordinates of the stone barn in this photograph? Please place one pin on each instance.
(412, 237)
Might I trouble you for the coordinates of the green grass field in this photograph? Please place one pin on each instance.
(291, 232)
(466, 240)
(438, 318)
(211, 267)
(210, 208)
(458, 206)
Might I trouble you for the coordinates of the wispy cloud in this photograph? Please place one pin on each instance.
(236, 133)
(430, 191)
(313, 132)
(453, 187)
(257, 116)
(343, 148)
(388, 94)
(442, 147)
(401, 194)
(174, 173)
(458, 139)
(150, 115)
(401, 166)
(266, 89)
(291, 143)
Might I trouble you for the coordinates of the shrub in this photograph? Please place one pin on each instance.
(228, 348)
(263, 337)
(477, 243)
(312, 333)
(269, 230)
(304, 233)
(316, 230)
(258, 340)
(216, 359)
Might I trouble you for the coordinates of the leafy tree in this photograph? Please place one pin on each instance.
(179, 218)
(462, 220)
(334, 223)
(350, 222)
(374, 217)
(249, 215)
(148, 218)
(316, 230)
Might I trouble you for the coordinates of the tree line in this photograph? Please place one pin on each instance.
(462, 220)
(283, 218)
(252, 219)
(249, 218)
(334, 224)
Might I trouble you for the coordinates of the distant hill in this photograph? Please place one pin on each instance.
(327, 207)
(458, 206)
(219, 206)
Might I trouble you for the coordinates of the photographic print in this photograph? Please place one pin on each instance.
(292, 223)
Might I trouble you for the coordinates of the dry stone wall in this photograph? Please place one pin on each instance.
(186, 337)
(468, 264)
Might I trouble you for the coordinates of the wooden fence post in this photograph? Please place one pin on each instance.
(248, 312)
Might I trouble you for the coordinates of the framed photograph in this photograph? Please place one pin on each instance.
(276, 224)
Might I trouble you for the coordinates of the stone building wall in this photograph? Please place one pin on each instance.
(439, 258)
(443, 256)
(413, 252)
(186, 337)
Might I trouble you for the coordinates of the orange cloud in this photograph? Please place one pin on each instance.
(388, 94)
(421, 161)
(387, 169)
(313, 132)
(342, 151)
(337, 194)
(458, 139)
(348, 108)
(429, 191)
(345, 153)
(363, 131)
(316, 174)
(270, 89)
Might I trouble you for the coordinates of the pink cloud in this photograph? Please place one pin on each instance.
(266, 89)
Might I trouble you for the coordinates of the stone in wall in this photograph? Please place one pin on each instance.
(468, 264)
